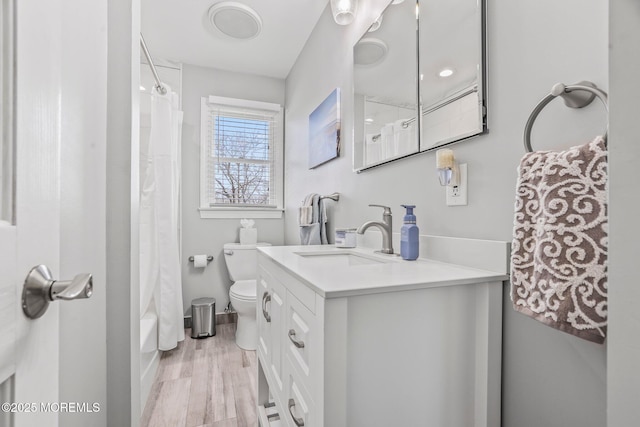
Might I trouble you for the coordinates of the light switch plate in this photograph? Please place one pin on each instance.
(457, 193)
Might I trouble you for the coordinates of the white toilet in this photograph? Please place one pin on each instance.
(242, 263)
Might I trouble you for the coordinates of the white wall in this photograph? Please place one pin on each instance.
(550, 378)
(207, 236)
(83, 348)
(623, 343)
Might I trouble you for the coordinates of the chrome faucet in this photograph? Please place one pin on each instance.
(385, 227)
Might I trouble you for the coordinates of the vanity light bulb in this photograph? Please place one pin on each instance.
(344, 11)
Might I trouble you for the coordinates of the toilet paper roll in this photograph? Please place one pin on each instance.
(199, 261)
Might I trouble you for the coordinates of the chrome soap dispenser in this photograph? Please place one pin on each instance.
(409, 235)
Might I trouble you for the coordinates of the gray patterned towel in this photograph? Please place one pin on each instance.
(559, 252)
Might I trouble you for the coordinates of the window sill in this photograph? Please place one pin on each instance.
(235, 213)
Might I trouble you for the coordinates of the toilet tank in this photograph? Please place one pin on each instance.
(242, 260)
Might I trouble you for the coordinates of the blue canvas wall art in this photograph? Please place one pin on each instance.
(324, 131)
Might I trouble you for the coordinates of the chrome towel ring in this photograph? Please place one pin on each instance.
(573, 96)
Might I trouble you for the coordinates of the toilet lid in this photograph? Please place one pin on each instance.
(244, 289)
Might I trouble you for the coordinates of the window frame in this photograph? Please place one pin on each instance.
(207, 211)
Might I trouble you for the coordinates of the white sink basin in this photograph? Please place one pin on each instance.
(342, 258)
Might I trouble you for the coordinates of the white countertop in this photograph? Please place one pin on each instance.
(331, 277)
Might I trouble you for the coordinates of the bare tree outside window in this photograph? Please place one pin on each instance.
(241, 152)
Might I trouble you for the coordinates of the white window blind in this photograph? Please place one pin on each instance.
(241, 143)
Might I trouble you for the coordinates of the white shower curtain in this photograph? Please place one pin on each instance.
(160, 276)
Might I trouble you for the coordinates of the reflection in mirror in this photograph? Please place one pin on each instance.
(451, 71)
(385, 88)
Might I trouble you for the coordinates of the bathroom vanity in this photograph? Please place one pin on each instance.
(352, 338)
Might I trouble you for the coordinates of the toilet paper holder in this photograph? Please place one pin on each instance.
(209, 258)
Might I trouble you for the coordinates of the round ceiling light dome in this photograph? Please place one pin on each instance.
(234, 20)
(369, 51)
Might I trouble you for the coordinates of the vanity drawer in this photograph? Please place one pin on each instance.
(301, 340)
(300, 409)
(294, 285)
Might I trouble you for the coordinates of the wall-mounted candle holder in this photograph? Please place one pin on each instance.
(445, 165)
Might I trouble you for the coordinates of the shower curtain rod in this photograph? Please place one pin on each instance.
(159, 87)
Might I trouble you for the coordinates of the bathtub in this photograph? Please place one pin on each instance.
(149, 354)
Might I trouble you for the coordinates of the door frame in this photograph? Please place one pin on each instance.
(122, 213)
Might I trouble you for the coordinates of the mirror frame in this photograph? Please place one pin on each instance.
(481, 90)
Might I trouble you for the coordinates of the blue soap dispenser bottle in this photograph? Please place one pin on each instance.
(409, 235)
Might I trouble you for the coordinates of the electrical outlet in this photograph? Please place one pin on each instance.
(457, 193)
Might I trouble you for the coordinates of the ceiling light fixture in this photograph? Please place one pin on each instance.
(369, 51)
(234, 20)
(445, 72)
(344, 11)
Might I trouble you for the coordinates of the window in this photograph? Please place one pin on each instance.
(241, 159)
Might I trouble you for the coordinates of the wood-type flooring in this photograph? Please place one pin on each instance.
(207, 382)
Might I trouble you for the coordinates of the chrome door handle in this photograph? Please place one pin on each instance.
(80, 287)
(299, 421)
(292, 334)
(40, 288)
(265, 299)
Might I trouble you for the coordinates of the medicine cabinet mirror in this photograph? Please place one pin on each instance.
(416, 90)
(385, 81)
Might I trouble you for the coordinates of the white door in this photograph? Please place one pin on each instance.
(30, 227)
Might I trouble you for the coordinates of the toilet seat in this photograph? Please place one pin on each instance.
(244, 290)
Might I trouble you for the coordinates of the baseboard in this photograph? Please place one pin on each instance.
(221, 319)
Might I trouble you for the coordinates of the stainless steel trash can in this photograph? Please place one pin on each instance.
(203, 317)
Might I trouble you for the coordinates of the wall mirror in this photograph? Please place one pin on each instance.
(451, 56)
(418, 84)
(385, 88)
